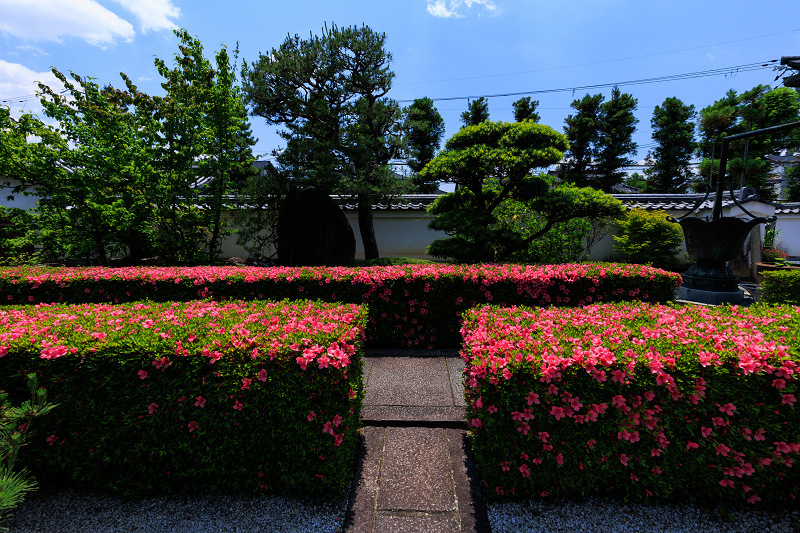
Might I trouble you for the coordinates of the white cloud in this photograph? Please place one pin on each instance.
(51, 20)
(152, 14)
(453, 8)
(19, 84)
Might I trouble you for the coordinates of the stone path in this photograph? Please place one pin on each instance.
(414, 473)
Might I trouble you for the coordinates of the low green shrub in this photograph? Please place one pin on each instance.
(782, 287)
(193, 397)
(15, 431)
(647, 237)
(414, 306)
(639, 401)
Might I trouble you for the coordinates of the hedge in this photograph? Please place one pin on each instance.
(782, 287)
(645, 402)
(239, 397)
(414, 306)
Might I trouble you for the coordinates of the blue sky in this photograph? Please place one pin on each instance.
(441, 48)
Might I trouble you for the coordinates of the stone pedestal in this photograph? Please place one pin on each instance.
(711, 297)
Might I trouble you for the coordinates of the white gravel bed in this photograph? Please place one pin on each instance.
(70, 511)
(597, 515)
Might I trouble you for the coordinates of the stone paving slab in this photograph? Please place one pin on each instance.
(420, 381)
(415, 480)
(410, 415)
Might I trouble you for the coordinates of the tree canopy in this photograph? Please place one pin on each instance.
(759, 107)
(123, 173)
(423, 129)
(329, 92)
(673, 132)
(477, 112)
(492, 162)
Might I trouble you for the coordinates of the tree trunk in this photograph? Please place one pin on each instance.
(366, 227)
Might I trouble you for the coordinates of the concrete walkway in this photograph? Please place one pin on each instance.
(415, 471)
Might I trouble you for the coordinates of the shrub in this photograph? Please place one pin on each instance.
(414, 306)
(640, 401)
(782, 287)
(15, 430)
(647, 237)
(193, 397)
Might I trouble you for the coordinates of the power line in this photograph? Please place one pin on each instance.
(646, 81)
(602, 61)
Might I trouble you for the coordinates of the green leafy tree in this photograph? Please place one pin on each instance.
(637, 180)
(617, 126)
(583, 132)
(85, 171)
(673, 132)
(203, 153)
(735, 113)
(477, 112)
(525, 109)
(328, 91)
(423, 129)
(491, 163)
(647, 237)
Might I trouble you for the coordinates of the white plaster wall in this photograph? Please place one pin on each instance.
(20, 201)
(788, 239)
(399, 234)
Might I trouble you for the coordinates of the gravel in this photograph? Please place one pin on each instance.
(598, 515)
(71, 511)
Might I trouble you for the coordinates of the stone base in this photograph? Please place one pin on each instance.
(711, 297)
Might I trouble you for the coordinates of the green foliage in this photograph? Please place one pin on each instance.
(196, 397)
(648, 403)
(328, 91)
(411, 305)
(673, 132)
(491, 163)
(15, 431)
(260, 201)
(477, 112)
(601, 139)
(617, 125)
(525, 109)
(122, 174)
(782, 287)
(647, 237)
(423, 129)
(735, 113)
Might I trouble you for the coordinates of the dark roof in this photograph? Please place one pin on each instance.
(408, 202)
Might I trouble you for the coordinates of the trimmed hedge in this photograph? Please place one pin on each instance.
(415, 306)
(199, 396)
(640, 401)
(782, 287)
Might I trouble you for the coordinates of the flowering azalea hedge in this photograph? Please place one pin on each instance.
(782, 287)
(416, 306)
(641, 401)
(198, 396)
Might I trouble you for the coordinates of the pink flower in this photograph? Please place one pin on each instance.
(475, 422)
(624, 459)
(51, 440)
(525, 470)
(557, 412)
(152, 408)
(142, 374)
(789, 399)
(492, 409)
(723, 450)
(726, 483)
(262, 375)
(311, 416)
(560, 459)
(533, 398)
(337, 420)
(200, 402)
(192, 426)
(753, 499)
(728, 408)
(238, 405)
(692, 445)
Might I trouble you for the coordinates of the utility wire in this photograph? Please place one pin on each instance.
(646, 81)
(602, 61)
